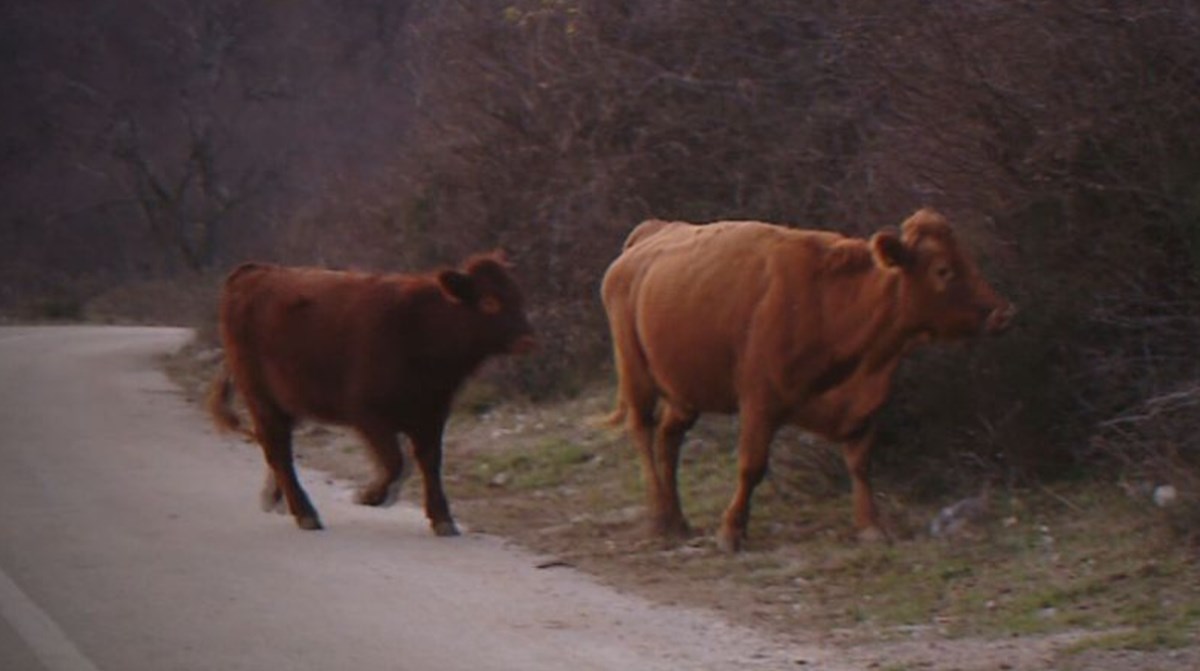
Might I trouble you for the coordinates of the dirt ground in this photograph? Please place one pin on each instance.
(1036, 585)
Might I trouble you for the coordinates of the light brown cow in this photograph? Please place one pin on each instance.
(381, 353)
(780, 326)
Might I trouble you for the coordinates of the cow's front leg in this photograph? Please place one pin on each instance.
(857, 453)
(390, 472)
(754, 444)
(270, 499)
(427, 447)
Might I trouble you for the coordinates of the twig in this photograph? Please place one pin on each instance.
(1061, 499)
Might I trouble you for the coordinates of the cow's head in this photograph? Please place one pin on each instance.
(946, 294)
(485, 285)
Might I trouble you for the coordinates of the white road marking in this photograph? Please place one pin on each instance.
(46, 639)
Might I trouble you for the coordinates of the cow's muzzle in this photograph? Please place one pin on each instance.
(523, 345)
(1000, 319)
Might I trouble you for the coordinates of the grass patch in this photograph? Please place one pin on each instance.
(1144, 639)
(1082, 558)
(551, 462)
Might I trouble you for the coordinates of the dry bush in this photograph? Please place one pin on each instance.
(180, 301)
(806, 469)
(1062, 138)
(553, 128)
(1154, 444)
(1065, 137)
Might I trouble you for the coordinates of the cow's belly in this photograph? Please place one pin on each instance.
(692, 389)
(841, 412)
(691, 330)
(306, 393)
(692, 372)
(830, 418)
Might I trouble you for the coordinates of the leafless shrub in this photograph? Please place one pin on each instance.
(1058, 135)
(180, 301)
(805, 468)
(1065, 133)
(1064, 138)
(1154, 444)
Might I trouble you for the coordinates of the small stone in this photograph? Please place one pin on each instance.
(1165, 495)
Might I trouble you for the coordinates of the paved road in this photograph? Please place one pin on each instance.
(130, 539)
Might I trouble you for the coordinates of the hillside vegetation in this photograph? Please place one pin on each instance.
(149, 146)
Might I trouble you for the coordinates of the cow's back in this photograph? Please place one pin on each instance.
(699, 301)
(308, 340)
(273, 309)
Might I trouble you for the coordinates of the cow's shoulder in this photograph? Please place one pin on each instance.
(248, 270)
(410, 300)
(824, 252)
(848, 256)
(788, 248)
(406, 288)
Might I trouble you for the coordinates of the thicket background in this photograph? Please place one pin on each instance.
(149, 145)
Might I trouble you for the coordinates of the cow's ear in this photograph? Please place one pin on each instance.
(889, 251)
(458, 287)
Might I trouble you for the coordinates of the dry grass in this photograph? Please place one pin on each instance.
(1077, 572)
(1041, 561)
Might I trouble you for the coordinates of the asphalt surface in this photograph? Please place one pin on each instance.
(130, 539)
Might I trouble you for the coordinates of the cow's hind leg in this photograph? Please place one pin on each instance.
(274, 433)
(390, 468)
(672, 427)
(641, 420)
(641, 402)
(754, 443)
(427, 447)
(637, 399)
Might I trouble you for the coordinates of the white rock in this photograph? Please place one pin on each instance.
(1165, 495)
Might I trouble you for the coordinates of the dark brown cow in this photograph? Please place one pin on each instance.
(779, 326)
(380, 353)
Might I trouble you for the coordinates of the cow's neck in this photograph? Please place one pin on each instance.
(881, 329)
(869, 342)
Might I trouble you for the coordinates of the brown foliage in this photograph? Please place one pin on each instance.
(1063, 136)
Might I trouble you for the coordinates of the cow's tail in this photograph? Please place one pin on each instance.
(220, 404)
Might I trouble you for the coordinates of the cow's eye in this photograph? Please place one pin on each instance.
(490, 305)
(944, 273)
